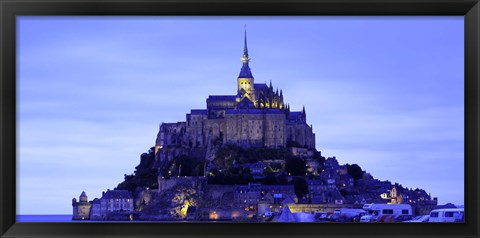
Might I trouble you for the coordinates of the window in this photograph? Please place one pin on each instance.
(449, 214)
(434, 214)
(404, 212)
(387, 211)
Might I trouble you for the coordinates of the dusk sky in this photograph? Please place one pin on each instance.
(386, 93)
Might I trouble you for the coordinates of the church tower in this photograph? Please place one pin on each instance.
(245, 81)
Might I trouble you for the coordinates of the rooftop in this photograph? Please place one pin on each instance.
(221, 98)
(199, 112)
(114, 194)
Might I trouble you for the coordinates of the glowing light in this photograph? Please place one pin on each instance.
(213, 215)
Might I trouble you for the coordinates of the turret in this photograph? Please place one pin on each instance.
(83, 197)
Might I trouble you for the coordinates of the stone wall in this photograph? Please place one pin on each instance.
(164, 184)
(254, 127)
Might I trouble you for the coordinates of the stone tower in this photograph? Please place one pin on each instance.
(81, 209)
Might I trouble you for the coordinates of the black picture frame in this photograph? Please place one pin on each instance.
(12, 8)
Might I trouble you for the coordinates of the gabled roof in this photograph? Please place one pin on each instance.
(117, 194)
(245, 103)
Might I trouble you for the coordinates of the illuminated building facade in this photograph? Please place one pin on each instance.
(256, 116)
(116, 201)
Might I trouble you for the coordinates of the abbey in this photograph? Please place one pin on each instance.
(256, 116)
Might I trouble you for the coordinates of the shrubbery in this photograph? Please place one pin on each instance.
(145, 174)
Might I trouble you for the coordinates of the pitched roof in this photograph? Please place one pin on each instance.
(198, 112)
(114, 194)
(260, 86)
(221, 98)
(287, 215)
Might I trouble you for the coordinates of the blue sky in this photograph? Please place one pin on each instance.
(383, 92)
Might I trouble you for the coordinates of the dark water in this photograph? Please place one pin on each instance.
(53, 218)
(45, 218)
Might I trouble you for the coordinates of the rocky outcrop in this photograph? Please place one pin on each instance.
(173, 201)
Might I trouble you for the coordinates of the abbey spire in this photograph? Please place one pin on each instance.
(245, 48)
(245, 71)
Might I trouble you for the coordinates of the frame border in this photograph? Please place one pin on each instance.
(11, 8)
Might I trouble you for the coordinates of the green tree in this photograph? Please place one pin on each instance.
(145, 174)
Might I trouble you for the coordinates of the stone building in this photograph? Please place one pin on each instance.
(96, 210)
(81, 209)
(116, 201)
(251, 195)
(256, 116)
